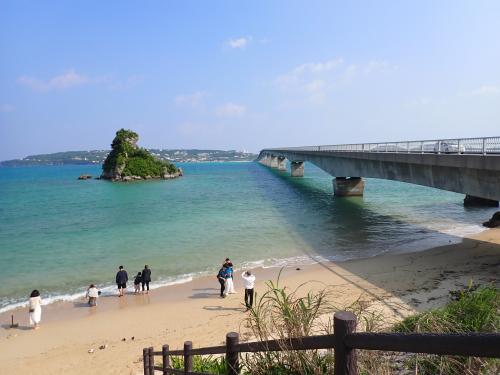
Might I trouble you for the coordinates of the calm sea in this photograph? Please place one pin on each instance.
(58, 234)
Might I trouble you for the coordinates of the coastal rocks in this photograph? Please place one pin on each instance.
(167, 175)
(127, 162)
(494, 221)
(472, 201)
(85, 177)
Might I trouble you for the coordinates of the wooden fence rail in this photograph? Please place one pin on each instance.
(344, 341)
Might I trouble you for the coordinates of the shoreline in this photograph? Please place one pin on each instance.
(109, 289)
(397, 284)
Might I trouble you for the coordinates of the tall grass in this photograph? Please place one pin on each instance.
(471, 310)
(280, 314)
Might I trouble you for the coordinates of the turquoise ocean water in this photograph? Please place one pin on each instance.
(58, 234)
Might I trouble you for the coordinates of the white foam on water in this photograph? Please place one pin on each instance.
(105, 291)
(458, 230)
(464, 230)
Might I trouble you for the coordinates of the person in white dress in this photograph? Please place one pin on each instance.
(229, 281)
(92, 295)
(35, 309)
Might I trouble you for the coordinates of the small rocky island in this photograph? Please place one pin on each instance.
(128, 162)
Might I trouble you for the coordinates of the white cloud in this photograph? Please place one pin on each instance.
(316, 91)
(317, 81)
(374, 66)
(7, 108)
(71, 79)
(239, 43)
(63, 81)
(315, 86)
(116, 84)
(189, 100)
(484, 90)
(230, 110)
(294, 75)
(418, 102)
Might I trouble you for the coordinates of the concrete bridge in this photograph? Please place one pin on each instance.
(470, 166)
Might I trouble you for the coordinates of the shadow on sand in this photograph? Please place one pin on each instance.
(352, 222)
(221, 308)
(18, 328)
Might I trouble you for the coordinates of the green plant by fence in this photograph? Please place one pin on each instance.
(344, 342)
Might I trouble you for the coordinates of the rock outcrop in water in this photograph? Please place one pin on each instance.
(128, 162)
(494, 221)
(85, 177)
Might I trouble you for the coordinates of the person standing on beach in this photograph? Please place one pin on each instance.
(249, 285)
(35, 309)
(221, 276)
(229, 281)
(121, 280)
(146, 278)
(228, 263)
(137, 283)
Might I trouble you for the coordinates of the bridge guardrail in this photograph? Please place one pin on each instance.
(478, 146)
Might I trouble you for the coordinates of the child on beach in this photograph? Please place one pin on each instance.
(35, 309)
(92, 294)
(137, 283)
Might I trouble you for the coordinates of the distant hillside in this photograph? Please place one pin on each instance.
(98, 157)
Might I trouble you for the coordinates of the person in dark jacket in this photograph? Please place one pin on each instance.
(146, 278)
(221, 276)
(137, 283)
(121, 280)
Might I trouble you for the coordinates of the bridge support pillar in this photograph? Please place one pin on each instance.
(472, 201)
(273, 161)
(297, 168)
(281, 163)
(348, 187)
(265, 160)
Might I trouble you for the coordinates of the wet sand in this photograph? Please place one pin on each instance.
(397, 284)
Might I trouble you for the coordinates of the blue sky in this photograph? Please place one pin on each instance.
(234, 75)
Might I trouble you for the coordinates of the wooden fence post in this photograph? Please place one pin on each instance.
(166, 359)
(151, 361)
(232, 354)
(145, 360)
(344, 323)
(188, 358)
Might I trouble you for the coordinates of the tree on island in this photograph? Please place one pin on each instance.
(127, 161)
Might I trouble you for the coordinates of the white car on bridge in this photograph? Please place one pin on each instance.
(449, 147)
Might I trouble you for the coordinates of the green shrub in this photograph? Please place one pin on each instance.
(471, 310)
(207, 364)
(280, 313)
(126, 159)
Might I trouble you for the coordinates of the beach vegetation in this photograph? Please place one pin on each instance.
(207, 364)
(473, 309)
(280, 313)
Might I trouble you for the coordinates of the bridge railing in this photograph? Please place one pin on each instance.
(484, 146)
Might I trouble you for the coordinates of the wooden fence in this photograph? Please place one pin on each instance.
(344, 341)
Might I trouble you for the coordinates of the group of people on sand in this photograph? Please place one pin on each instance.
(142, 278)
(225, 276)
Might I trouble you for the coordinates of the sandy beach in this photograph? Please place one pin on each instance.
(399, 284)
